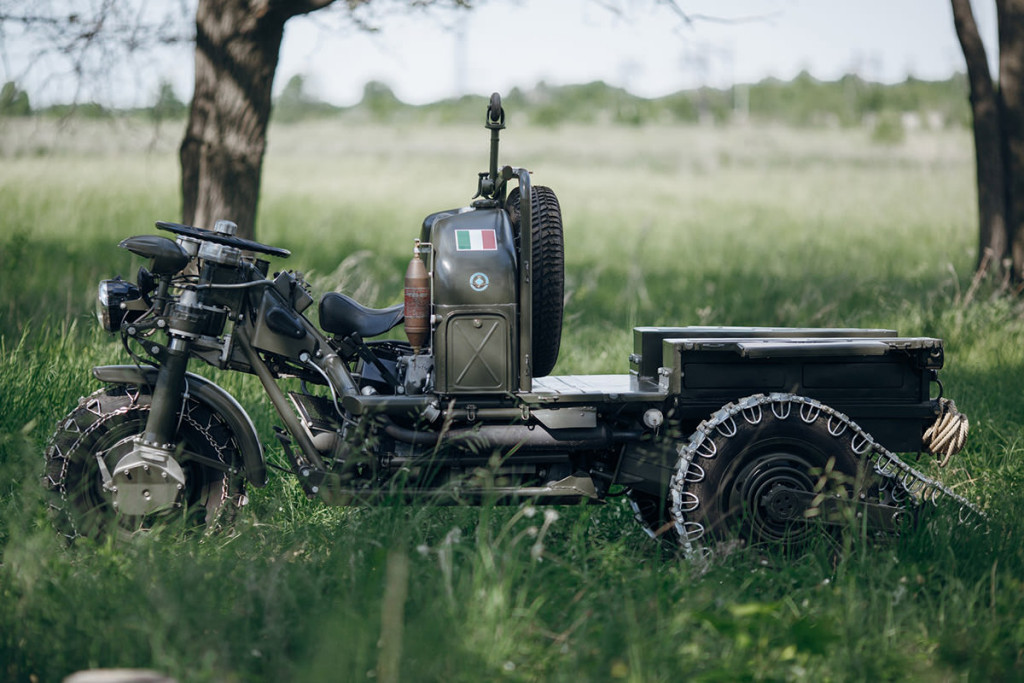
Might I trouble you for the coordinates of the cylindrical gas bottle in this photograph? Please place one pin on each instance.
(417, 302)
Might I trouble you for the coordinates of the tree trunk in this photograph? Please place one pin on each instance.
(993, 238)
(237, 48)
(222, 153)
(1011, 87)
(998, 138)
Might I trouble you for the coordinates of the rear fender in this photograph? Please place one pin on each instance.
(213, 397)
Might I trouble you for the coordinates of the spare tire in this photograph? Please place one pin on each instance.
(548, 266)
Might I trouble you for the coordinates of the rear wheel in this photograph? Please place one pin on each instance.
(654, 514)
(756, 470)
(99, 486)
(548, 265)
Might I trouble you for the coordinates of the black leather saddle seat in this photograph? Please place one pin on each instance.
(341, 315)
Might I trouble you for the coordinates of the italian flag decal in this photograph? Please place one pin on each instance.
(475, 240)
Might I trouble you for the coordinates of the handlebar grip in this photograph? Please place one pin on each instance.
(495, 114)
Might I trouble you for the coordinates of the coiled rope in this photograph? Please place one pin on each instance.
(947, 436)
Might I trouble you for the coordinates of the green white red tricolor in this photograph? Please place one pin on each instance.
(475, 240)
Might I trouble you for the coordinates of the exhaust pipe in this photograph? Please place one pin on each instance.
(489, 437)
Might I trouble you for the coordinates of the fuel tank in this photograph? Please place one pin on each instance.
(474, 281)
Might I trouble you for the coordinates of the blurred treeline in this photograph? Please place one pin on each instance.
(803, 101)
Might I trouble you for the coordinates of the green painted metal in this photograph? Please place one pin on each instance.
(475, 295)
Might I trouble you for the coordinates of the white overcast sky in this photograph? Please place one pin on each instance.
(642, 45)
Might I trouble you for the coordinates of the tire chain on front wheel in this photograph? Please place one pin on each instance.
(93, 405)
(227, 495)
(905, 485)
(69, 425)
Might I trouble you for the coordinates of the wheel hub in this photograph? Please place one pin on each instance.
(145, 480)
(769, 490)
(783, 503)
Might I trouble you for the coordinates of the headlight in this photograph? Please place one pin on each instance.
(112, 294)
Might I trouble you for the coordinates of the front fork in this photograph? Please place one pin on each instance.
(167, 400)
(168, 395)
(149, 478)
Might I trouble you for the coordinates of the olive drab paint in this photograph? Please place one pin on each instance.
(476, 295)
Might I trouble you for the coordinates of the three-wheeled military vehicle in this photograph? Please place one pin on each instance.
(762, 433)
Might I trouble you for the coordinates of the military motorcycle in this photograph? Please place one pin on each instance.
(764, 434)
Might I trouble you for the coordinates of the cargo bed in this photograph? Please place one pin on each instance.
(879, 379)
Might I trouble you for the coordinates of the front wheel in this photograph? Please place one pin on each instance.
(100, 485)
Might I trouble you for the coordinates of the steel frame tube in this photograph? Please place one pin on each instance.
(277, 397)
(525, 281)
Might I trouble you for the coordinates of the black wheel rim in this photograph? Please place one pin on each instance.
(761, 494)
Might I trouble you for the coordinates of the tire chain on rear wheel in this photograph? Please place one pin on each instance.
(902, 483)
(91, 404)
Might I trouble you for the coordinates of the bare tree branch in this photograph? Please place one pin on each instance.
(690, 19)
(77, 46)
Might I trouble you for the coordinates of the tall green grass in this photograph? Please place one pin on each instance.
(663, 226)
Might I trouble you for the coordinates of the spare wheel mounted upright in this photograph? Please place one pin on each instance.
(548, 265)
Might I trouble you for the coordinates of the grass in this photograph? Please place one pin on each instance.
(664, 226)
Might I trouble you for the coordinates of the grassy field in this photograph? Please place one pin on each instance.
(759, 226)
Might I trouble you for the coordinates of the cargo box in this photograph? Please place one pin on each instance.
(880, 380)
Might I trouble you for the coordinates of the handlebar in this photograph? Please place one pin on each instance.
(495, 122)
(220, 238)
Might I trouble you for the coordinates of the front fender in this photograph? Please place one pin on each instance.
(212, 396)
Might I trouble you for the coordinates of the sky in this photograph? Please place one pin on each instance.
(645, 46)
(642, 45)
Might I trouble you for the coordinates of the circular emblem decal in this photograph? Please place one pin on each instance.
(479, 281)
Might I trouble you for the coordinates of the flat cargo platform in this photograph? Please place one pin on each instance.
(570, 389)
